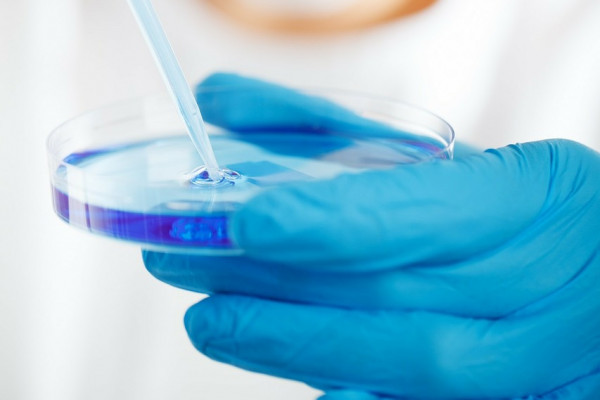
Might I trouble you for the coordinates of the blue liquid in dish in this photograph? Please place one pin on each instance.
(147, 192)
(151, 228)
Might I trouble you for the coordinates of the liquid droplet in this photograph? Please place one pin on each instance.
(203, 176)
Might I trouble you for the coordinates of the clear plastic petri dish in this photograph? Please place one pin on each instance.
(130, 172)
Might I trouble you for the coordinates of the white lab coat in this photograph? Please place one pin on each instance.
(81, 318)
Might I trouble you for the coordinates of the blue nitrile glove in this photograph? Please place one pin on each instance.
(477, 278)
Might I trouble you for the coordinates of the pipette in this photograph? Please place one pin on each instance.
(178, 87)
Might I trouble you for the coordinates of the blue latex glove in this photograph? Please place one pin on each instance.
(477, 278)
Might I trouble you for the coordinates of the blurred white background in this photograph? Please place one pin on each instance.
(80, 318)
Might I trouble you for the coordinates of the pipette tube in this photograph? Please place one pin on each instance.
(176, 82)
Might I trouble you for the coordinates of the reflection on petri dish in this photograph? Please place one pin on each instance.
(130, 172)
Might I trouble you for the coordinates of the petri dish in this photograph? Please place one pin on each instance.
(130, 172)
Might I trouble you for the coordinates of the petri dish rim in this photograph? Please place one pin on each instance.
(54, 139)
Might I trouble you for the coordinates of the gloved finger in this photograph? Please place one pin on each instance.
(410, 354)
(477, 288)
(349, 395)
(394, 289)
(243, 104)
(434, 213)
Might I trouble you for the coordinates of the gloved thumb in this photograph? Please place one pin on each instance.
(429, 213)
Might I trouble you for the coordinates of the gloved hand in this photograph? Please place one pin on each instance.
(477, 278)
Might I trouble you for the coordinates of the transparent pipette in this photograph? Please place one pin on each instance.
(178, 86)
